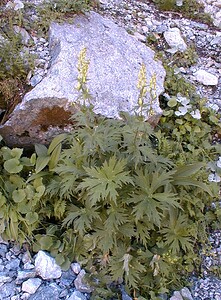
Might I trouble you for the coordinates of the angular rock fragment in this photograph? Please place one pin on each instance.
(80, 284)
(174, 40)
(46, 267)
(205, 77)
(31, 285)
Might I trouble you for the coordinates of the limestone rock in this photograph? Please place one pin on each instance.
(76, 268)
(176, 296)
(77, 296)
(46, 292)
(46, 266)
(185, 292)
(80, 285)
(115, 61)
(8, 290)
(13, 264)
(23, 275)
(174, 39)
(205, 77)
(4, 279)
(31, 285)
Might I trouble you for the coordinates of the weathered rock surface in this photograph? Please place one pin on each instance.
(206, 78)
(174, 39)
(80, 284)
(46, 266)
(31, 285)
(115, 61)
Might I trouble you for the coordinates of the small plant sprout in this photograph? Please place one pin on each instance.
(83, 65)
(153, 95)
(142, 87)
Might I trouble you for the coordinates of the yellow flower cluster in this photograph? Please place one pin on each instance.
(83, 65)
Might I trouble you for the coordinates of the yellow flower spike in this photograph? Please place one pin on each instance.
(83, 65)
(143, 88)
(142, 77)
(140, 101)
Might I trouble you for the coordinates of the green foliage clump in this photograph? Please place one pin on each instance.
(186, 58)
(175, 82)
(127, 202)
(15, 62)
(191, 9)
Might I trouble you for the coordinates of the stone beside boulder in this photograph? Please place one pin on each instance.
(46, 267)
(174, 40)
(205, 77)
(115, 61)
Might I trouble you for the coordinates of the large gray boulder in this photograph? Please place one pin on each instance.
(115, 61)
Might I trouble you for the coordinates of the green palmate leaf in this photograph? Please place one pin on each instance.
(116, 217)
(167, 199)
(160, 179)
(151, 182)
(104, 239)
(68, 185)
(127, 230)
(56, 142)
(152, 196)
(13, 165)
(147, 207)
(81, 218)
(177, 232)
(105, 181)
(18, 195)
(142, 232)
